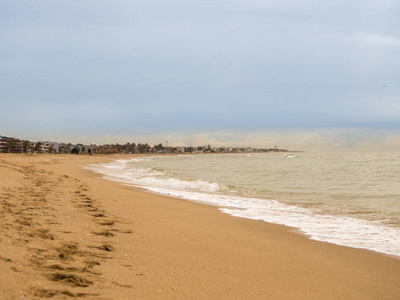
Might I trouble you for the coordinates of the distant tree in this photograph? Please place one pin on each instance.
(38, 147)
(10, 145)
(26, 145)
(190, 149)
(158, 147)
(144, 148)
(132, 148)
(127, 147)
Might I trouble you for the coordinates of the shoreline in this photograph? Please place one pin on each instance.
(346, 226)
(60, 219)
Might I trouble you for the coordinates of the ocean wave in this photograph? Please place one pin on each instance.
(336, 229)
(146, 177)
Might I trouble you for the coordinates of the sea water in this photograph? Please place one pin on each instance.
(346, 198)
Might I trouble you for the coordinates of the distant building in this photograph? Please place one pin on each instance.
(180, 149)
(11, 144)
(5, 143)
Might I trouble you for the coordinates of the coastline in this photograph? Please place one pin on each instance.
(60, 219)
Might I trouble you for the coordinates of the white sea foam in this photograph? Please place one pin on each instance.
(336, 229)
(148, 178)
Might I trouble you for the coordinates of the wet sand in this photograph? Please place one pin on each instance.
(64, 232)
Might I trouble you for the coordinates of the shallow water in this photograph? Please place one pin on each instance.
(346, 198)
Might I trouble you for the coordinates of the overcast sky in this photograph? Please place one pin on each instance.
(299, 74)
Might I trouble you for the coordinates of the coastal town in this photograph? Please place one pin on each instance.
(16, 145)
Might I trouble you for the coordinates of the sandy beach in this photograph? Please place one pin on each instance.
(65, 232)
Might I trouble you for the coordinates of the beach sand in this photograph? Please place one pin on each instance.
(65, 232)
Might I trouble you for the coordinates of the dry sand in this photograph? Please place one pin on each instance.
(67, 233)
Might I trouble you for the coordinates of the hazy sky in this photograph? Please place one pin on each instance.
(299, 74)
